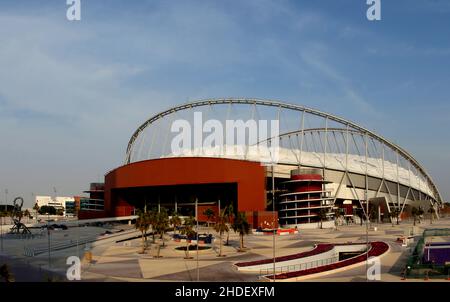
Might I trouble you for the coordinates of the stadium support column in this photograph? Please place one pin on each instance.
(398, 183)
(301, 140)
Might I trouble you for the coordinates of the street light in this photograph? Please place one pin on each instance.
(1, 232)
(48, 235)
(273, 221)
(196, 218)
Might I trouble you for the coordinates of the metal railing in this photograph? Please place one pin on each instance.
(33, 251)
(416, 269)
(299, 267)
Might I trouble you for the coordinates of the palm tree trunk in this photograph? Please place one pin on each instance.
(162, 237)
(143, 243)
(187, 249)
(242, 241)
(220, 249)
(228, 237)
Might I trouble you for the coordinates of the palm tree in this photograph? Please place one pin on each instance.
(221, 227)
(337, 215)
(175, 220)
(162, 223)
(392, 215)
(397, 212)
(143, 224)
(373, 213)
(188, 230)
(431, 210)
(152, 220)
(229, 214)
(241, 226)
(420, 212)
(322, 216)
(209, 213)
(36, 208)
(415, 213)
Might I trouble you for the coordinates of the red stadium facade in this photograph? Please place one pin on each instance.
(177, 182)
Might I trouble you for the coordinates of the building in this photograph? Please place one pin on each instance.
(64, 203)
(324, 165)
(92, 206)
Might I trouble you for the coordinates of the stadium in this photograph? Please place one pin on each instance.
(327, 168)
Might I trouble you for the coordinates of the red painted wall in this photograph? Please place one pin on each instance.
(249, 176)
(263, 219)
(92, 214)
(307, 186)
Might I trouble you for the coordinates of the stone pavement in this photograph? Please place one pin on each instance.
(123, 261)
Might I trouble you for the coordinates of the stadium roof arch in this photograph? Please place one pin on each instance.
(328, 141)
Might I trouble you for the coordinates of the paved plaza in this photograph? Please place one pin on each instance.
(123, 261)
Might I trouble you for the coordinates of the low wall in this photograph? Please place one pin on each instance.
(315, 225)
(325, 273)
(333, 253)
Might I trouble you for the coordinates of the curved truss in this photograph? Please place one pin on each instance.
(350, 126)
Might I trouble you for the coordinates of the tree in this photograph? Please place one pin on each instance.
(209, 213)
(188, 230)
(396, 213)
(6, 274)
(373, 213)
(152, 220)
(241, 226)
(431, 210)
(36, 209)
(360, 214)
(337, 215)
(420, 212)
(143, 224)
(60, 212)
(322, 216)
(415, 213)
(47, 210)
(175, 220)
(162, 223)
(221, 227)
(229, 214)
(392, 215)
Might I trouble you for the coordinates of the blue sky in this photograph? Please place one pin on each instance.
(72, 93)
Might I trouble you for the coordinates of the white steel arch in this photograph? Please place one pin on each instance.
(347, 127)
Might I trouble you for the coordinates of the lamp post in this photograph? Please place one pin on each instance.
(48, 236)
(1, 232)
(196, 218)
(273, 223)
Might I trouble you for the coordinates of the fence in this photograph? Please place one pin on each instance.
(416, 269)
(299, 267)
(33, 251)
